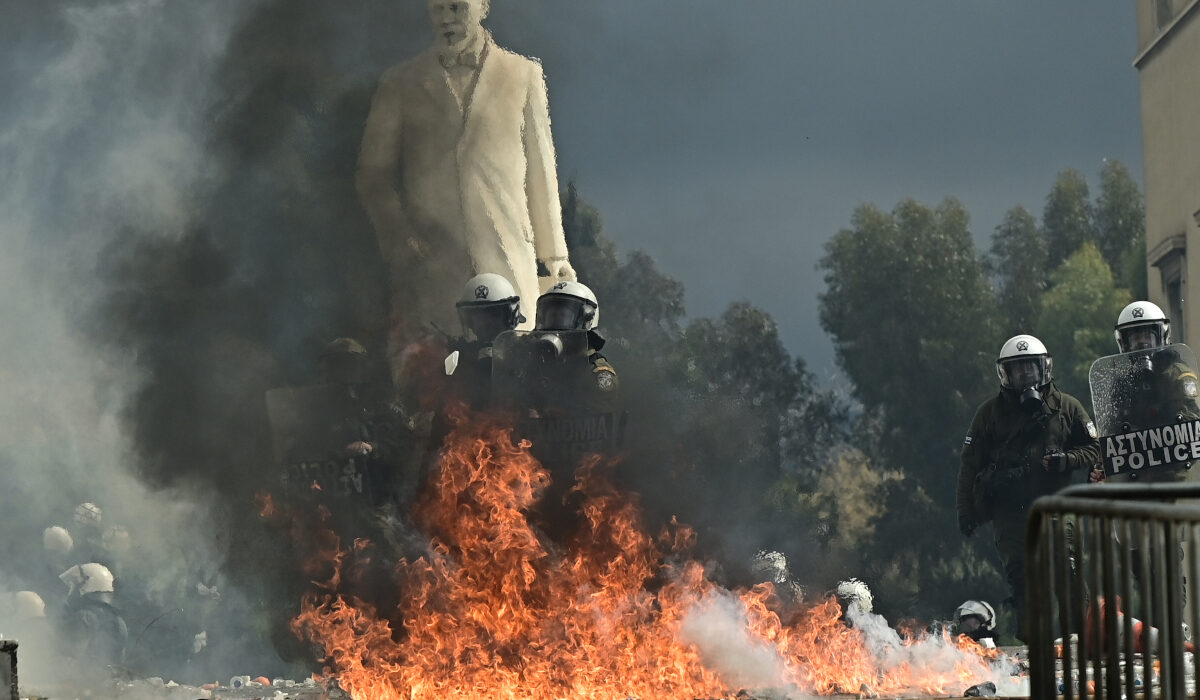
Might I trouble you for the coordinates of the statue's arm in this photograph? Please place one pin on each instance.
(541, 175)
(378, 162)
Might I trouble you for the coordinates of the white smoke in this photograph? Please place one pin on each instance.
(932, 653)
(719, 629)
(104, 134)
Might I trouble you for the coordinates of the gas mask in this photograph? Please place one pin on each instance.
(1031, 400)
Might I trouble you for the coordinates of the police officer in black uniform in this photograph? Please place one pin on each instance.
(372, 429)
(488, 306)
(1022, 444)
(1160, 388)
(571, 306)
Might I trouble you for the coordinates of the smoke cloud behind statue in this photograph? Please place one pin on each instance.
(457, 169)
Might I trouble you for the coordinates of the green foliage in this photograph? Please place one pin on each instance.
(719, 410)
(744, 446)
(911, 315)
(1134, 269)
(1017, 263)
(1077, 317)
(915, 326)
(1121, 221)
(1067, 218)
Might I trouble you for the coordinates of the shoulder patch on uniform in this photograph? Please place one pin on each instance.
(1091, 429)
(606, 379)
(1190, 388)
(967, 440)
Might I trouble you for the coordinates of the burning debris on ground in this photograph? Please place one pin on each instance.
(496, 606)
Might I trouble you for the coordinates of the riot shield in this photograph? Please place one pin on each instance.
(310, 428)
(545, 379)
(1145, 407)
(538, 371)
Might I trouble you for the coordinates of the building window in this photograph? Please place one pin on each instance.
(1170, 257)
(1173, 290)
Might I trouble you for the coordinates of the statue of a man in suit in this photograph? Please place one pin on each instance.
(457, 168)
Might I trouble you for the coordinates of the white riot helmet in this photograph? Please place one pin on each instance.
(976, 608)
(854, 596)
(25, 606)
(83, 579)
(88, 514)
(1142, 325)
(1024, 363)
(57, 539)
(488, 306)
(568, 306)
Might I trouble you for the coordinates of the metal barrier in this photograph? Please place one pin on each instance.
(1120, 636)
(8, 670)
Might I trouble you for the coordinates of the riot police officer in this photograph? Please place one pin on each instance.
(572, 306)
(94, 629)
(1023, 443)
(977, 620)
(1160, 388)
(487, 307)
(367, 425)
(1153, 387)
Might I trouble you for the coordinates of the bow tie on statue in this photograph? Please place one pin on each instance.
(467, 58)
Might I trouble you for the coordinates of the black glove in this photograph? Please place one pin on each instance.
(1056, 462)
(966, 525)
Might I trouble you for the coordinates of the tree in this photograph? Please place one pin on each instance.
(912, 319)
(1133, 273)
(719, 410)
(1121, 225)
(1077, 317)
(1067, 218)
(915, 328)
(1017, 262)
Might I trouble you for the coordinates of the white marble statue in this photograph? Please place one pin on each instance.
(457, 168)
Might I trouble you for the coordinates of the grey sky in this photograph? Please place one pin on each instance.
(730, 139)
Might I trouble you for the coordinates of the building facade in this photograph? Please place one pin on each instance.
(1168, 63)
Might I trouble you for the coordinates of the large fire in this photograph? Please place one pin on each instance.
(498, 610)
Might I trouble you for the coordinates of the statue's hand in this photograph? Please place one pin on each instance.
(560, 270)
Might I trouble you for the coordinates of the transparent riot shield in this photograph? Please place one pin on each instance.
(310, 428)
(545, 379)
(1145, 407)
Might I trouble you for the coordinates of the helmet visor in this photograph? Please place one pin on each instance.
(1142, 337)
(558, 312)
(1024, 372)
(486, 321)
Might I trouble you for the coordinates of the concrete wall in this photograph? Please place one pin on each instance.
(1168, 63)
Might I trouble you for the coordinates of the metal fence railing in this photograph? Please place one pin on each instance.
(1110, 569)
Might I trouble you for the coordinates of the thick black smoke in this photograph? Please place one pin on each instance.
(182, 234)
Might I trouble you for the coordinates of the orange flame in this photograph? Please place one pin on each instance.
(266, 504)
(499, 610)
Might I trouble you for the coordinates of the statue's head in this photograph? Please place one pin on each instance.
(457, 22)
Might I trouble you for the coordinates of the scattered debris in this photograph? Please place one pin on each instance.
(987, 689)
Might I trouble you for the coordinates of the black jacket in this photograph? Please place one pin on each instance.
(1002, 453)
